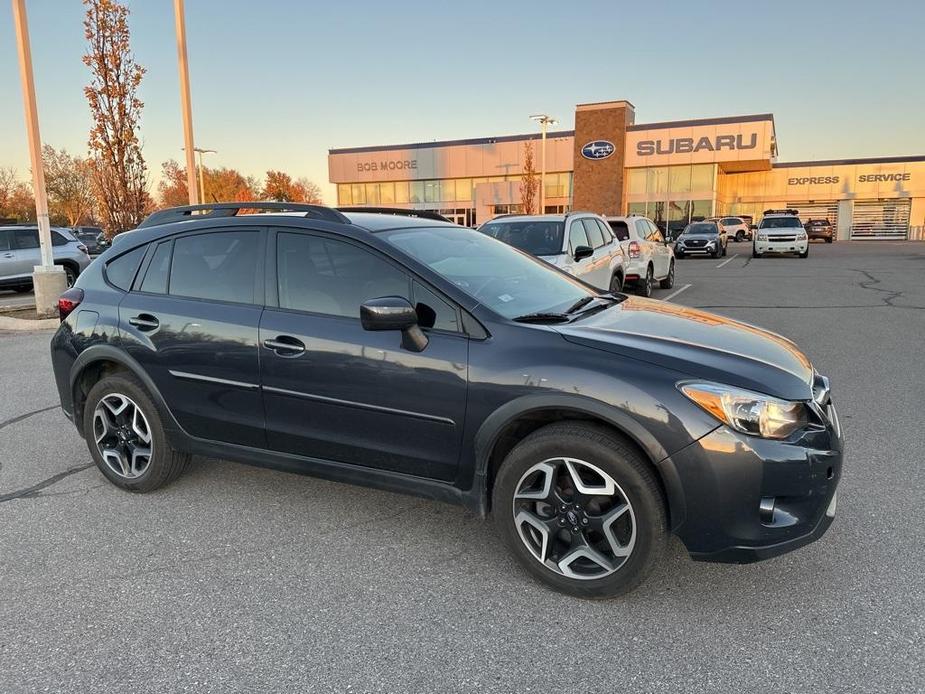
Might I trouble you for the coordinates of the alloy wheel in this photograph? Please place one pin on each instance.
(574, 518)
(122, 435)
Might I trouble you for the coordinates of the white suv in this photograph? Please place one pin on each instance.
(780, 231)
(647, 257)
(579, 243)
(736, 228)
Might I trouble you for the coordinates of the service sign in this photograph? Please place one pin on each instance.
(598, 149)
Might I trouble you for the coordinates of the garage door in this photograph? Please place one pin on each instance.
(881, 219)
(827, 209)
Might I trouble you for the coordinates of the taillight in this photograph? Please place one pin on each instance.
(634, 249)
(68, 301)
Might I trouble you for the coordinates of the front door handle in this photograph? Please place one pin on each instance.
(285, 346)
(144, 322)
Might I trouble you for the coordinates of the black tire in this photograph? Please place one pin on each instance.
(613, 454)
(805, 254)
(829, 239)
(679, 255)
(165, 464)
(755, 254)
(70, 275)
(668, 282)
(616, 282)
(740, 236)
(644, 284)
(725, 246)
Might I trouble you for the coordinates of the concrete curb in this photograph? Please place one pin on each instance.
(7, 323)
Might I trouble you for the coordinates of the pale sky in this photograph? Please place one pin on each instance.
(277, 83)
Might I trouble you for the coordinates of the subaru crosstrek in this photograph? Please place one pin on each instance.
(423, 357)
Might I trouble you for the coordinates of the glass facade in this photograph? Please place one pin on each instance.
(456, 190)
(671, 196)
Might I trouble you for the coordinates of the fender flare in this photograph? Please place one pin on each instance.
(487, 436)
(97, 353)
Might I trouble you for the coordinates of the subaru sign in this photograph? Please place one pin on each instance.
(599, 149)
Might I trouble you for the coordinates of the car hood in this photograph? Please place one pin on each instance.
(686, 237)
(697, 344)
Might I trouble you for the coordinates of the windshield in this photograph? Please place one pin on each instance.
(700, 228)
(496, 275)
(534, 236)
(731, 220)
(780, 223)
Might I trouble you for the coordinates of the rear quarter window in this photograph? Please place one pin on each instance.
(121, 271)
(620, 230)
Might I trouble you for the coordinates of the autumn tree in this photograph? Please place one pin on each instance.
(16, 200)
(281, 187)
(116, 163)
(69, 184)
(221, 185)
(529, 183)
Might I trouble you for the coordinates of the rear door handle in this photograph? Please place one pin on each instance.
(285, 346)
(144, 322)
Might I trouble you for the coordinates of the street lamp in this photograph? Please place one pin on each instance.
(545, 121)
(186, 107)
(202, 188)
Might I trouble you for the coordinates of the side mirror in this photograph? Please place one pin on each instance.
(394, 313)
(582, 252)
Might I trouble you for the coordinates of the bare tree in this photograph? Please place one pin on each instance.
(529, 183)
(280, 186)
(69, 184)
(117, 165)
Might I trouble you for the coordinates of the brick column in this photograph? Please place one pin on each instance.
(597, 184)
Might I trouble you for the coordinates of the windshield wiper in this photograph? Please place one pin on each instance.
(543, 317)
(583, 301)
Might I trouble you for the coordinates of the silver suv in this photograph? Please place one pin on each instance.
(579, 243)
(19, 254)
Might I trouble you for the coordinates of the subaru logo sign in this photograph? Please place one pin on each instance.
(599, 149)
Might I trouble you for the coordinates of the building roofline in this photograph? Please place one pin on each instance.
(452, 143)
(725, 120)
(841, 162)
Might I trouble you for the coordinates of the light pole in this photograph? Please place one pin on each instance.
(48, 279)
(544, 121)
(202, 188)
(186, 106)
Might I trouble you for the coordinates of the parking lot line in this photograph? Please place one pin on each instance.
(728, 260)
(675, 293)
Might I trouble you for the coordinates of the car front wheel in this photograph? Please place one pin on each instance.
(126, 436)
(581, 510)
(668, 282)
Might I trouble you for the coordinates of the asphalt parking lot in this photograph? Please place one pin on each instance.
(243, 579)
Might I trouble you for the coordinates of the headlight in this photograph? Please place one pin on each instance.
(762, 237)
(801, 236)
(748, 412)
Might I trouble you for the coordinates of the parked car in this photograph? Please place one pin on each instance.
(89, 237)
(579, 243)
(701, 238)
(20, 253)
(735, 228)
(423, 357)
(781, 231)
(647, 256)
(820, 229)
(102, 241)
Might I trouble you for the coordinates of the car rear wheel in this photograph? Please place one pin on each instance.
(668, 282)
(70, 275)
(22, 289)
(740, 236)
(581, 510)
(644, 285)
(126, 436)
(829, 239)
(616, 282)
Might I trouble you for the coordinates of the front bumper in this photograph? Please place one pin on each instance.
(795, 246)
(749, 499)
(695, 250)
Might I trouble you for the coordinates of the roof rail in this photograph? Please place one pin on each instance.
(231, 209)
(789, 210)
(399, 211)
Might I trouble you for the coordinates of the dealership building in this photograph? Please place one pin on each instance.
(672, 172)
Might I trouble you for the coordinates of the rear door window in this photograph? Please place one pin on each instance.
(158, 270)
(595, 236)
(121, 271)
(221, 266)
(25, 238)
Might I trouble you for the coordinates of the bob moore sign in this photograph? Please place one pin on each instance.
(749, 140)
(387, 165)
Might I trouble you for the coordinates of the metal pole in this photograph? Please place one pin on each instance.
(32, 126)
(202, 188)
(543, 170)
(186, 107)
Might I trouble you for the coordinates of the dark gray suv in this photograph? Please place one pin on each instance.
(418, 356)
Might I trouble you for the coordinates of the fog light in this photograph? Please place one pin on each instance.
(766, 509)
